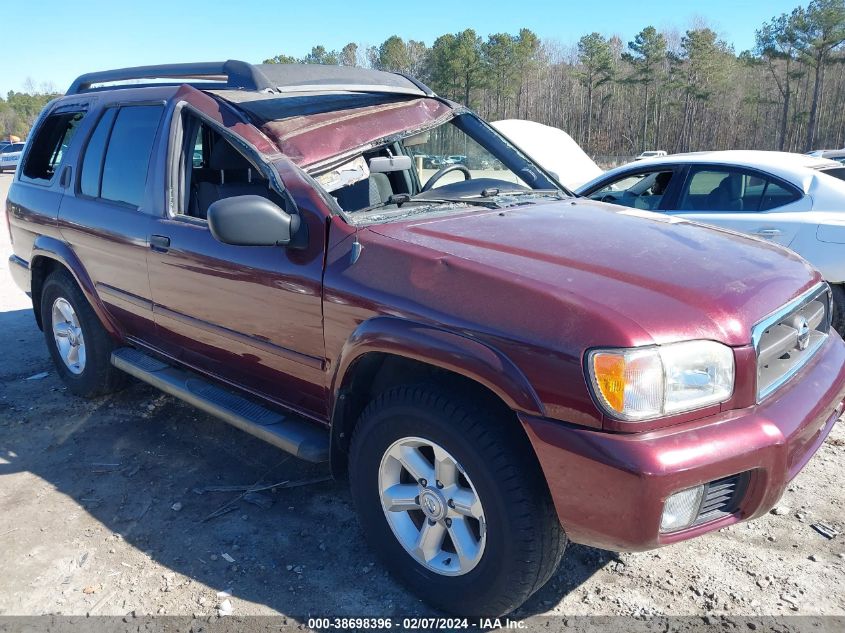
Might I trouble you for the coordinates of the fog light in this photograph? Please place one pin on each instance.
(681, 509)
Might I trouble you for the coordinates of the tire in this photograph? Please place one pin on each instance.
(837, 320)
(94, 375)
(522, 540)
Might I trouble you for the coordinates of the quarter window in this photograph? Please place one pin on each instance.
(50, 144)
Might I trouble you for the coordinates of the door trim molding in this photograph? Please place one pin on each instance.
(314, 362)
(122, 295)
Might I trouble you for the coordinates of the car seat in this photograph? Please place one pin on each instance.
(237, 178)
(727, 196)
(364, 193)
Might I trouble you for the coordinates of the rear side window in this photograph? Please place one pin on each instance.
(775, 195)
(127, 155)
(50, 144)
(92, 163)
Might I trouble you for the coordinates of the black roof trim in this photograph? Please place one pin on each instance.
(236, 74)
(239, 75)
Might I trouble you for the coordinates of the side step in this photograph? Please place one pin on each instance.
(295, 435)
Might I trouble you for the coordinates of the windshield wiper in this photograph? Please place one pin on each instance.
(492, 192)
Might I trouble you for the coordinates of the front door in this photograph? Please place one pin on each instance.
(249, 315)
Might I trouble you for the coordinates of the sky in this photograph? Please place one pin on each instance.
(56, 40)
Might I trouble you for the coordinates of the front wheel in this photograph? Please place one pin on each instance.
(453, 500)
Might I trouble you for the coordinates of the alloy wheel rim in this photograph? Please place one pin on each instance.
(432, 506)
(67, 333)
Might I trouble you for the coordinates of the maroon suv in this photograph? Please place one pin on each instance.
(346, 265)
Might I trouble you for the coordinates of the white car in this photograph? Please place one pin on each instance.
(795, 200)
(10, 156)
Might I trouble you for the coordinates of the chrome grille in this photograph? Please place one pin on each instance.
(787, 339)
(721, 498)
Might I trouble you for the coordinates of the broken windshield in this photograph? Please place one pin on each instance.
(459, 163)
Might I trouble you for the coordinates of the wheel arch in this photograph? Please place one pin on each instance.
(49, 255)
(388, 351)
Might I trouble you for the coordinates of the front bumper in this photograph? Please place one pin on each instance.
(609, 488)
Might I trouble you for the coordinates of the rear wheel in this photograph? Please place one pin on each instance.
(452, 499)
(79, 345)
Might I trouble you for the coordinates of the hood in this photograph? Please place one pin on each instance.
(552, 148)
(609, 275)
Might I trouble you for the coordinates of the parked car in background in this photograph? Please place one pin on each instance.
(833, 154)
(652, 153)
(478, 162)
(434, 162)
(497, 366)
(795, 200)
(10, 156)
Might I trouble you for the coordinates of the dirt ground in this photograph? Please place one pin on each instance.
(101, 513)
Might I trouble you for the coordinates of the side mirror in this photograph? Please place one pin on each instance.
(251, 221)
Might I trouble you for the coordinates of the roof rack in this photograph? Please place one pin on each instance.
(229, 74)
(282, 78)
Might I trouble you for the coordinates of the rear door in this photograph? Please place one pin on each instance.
(742, 200)
(106, 220)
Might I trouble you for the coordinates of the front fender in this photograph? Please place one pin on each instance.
(50, 248)
(455, 352)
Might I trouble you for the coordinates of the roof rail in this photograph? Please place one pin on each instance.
(231, 74)
(238, 75)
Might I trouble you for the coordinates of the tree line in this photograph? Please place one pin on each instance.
(664, 89)
(19, 110)
(671, 90)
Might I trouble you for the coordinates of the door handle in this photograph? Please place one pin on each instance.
(64, 179)
(159, 243)
(767, 233)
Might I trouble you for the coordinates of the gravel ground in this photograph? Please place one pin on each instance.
(103, 511)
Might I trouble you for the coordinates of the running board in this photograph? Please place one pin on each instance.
(295, 435)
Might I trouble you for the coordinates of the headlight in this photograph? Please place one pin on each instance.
(650, 382)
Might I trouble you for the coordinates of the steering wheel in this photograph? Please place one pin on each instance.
(608, 197)
(445, 170)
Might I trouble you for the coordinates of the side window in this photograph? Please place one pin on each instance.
(92, 162)
(50, 144)
(775, 195)
(732, 190)
(128, 154)
(640, 191)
